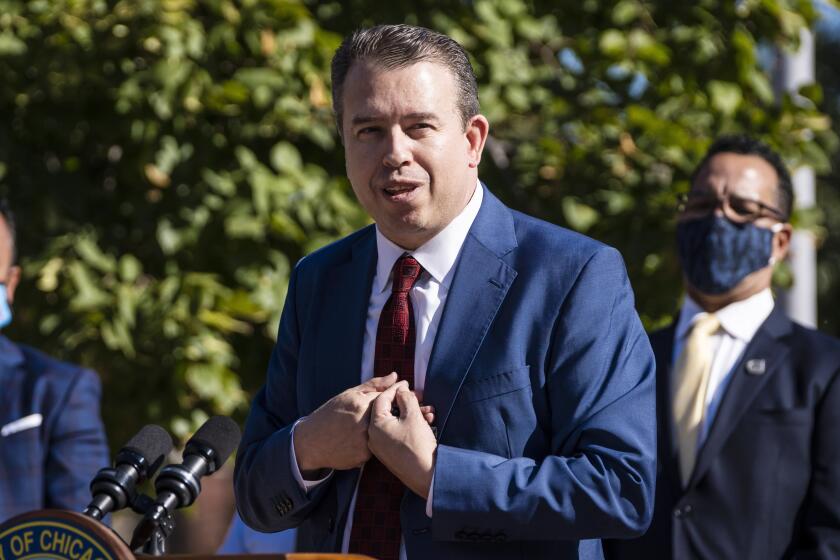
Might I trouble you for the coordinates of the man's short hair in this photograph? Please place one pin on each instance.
(748, 146)
(398, 46)
(9, 217)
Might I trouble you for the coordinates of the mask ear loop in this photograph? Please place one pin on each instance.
(776, 228)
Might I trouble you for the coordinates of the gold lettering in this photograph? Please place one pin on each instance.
(17, 545)
(59, 539)
(28, 539)
(2, 554)
(88, 554)
(74, 553)
(45, 534)
(67, 544)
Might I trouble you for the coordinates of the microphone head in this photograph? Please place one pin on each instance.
(220, 435)
(152, 443)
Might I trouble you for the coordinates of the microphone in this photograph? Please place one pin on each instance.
(115, 487)
(178, 486)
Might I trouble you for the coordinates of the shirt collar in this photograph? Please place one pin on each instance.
(740, 319)
(437, 256)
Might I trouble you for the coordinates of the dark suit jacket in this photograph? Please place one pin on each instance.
(47, 463)
(542, 380)
(767, 480)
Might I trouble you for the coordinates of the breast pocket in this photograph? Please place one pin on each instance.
(490, 411)
(781, 416)
(496, 385)
(22, 451)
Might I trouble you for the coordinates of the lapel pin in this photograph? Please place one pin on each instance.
(756, 366)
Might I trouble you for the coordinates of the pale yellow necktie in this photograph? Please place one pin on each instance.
(689, 388)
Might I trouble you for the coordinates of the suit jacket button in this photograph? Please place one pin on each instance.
(687, 509)
(678, 513)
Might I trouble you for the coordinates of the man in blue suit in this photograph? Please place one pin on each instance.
(749, 401)
(516, 339)
(52, 441)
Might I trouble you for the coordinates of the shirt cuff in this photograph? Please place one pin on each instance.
(307, 485)
(430, 499)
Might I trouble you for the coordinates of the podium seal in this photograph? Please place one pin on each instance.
(58, 535)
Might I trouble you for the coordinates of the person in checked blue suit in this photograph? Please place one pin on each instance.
(528, 354)
(52, 441)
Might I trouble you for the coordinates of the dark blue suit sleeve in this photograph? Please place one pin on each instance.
(268, 497)
(820, 536)
(598, 480)
(77, 448)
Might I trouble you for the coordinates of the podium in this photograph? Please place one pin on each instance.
(65, 535)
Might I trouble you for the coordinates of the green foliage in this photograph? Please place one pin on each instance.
(169, 162)
(171, 159)
(600, 109)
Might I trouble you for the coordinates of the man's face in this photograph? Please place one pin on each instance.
(9, 274)
(744, 189)
(409, 157)
(741, 180)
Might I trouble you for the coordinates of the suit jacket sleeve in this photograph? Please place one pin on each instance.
(267, 495)
(820, 536)
(598, 479)
(77, 448)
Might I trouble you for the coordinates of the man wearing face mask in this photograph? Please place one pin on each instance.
(52, 441)
(748, 401)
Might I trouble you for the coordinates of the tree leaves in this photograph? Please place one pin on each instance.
(170, 160)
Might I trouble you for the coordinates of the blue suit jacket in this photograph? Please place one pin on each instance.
(767, 480)
(541, 376)
(49, 465)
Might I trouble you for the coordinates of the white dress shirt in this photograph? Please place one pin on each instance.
(438, 257)
(739, 322)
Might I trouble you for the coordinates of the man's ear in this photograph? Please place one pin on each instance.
(476, 134)
(12, 282)
(781, 242)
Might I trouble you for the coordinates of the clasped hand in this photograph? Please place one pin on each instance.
(354, 425)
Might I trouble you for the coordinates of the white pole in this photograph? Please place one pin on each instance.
(794, 70)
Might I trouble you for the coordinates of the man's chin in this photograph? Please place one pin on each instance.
(711, 302)
(408, 232)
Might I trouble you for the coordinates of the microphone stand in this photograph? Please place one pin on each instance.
(154, 529)
(156, 544)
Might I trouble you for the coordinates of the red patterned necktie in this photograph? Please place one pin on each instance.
(376, 519)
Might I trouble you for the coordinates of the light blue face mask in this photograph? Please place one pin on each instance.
(5, 310)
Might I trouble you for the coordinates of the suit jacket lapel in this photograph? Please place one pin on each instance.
(342, 321)
(662, 343)
(14, 400)
(743, 387)
(481, 282)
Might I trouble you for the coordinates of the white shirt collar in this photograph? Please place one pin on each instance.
(740, 319)
(437, 256)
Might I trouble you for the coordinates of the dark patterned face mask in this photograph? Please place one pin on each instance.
(716, 254)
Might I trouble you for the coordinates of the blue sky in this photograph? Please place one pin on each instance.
(830, 19)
